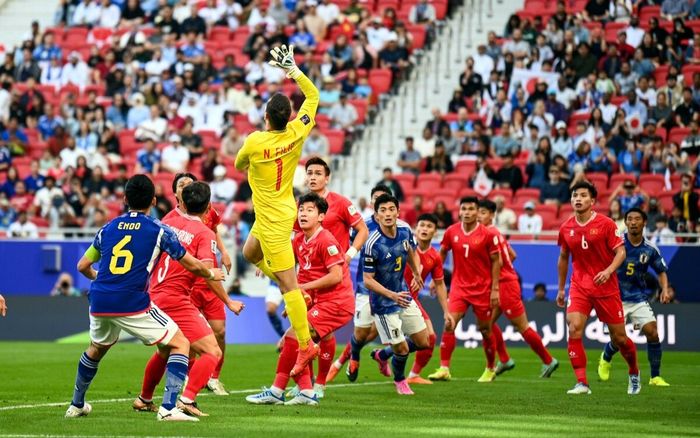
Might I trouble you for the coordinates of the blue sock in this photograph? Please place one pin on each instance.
(87, 368)
(654, 355)
(355, 348)
(398, 366)
(609, 351)
(411, 345)
(386, 353)
(175, 373)
(276, 323)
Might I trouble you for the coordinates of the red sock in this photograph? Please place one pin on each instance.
(577, 355)
(535, 342)
(219, 366)
(500, 345)
(200, 374)
(424, 356)
(489, 344)
(447, 347)
(325, 359)
(190, 364)
(629, 351)
(286, 361)
(303, 380)
(155, 368)
(345, 355)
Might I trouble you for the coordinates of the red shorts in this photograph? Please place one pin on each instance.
(208, 303)
(511, 302)
(459, 303)
(328, 316)
(608, 309)
(192, 323)
(422, 310)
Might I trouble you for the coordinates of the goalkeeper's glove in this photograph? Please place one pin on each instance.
(284, 59)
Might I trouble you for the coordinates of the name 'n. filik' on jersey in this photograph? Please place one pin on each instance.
(386, 258)
(129, 247)
(631, 274)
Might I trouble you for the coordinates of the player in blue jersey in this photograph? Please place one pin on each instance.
(127, 249)
(641, 255)
(364, 330)
(397, 317)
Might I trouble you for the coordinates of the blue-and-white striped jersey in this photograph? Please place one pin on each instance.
(129, 247)
(386, 258)
(631, 273)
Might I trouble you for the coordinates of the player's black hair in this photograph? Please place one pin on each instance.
(139, 192)
(196, 197)
(636, 210)
(469, 200)
(540, 286)
(428, 217)
(278, 110)
(320, 203)
(488, 204)
(585, 185)
(384, 199)
(318, 161)
(181, 175)
(380, 188)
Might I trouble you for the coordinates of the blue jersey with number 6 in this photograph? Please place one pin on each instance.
(631, 274)
(129, 248)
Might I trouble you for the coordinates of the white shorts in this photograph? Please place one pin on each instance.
(274, 295)
(639, 314)
(363, 313)
(151, 327)
(393, 327)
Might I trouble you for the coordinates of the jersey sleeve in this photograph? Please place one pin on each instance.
(411, 239)
(330, 253)
(561, 240)
(170, 245)
(370, 259)
(493, 244)
(306, 118)
(657, 263)
(243, 156)
(438, 272)
(205, 248)
(214, 219)
(350, 214)
(613, 235)
(446, 238)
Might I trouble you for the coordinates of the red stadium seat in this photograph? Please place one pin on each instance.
(362, 107)
(336, 140)
(220, 34)
(526, 194)
(467, 192)
(465, 168)
(429, 181)
(419, 35)
(380, 80)
(688, 71)
(407, 182)
(565, 211)
(455, 182)
(599, 180)
(652, 184)
(506, 193)
(666, 202)
(619, 178)
(648, 12)
(678, 134)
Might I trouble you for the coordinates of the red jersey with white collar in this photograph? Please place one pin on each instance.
(507, 270)
(471, 253)
(431, 264)
(340, 218)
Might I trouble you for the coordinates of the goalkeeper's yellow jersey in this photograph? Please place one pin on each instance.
(271, 158)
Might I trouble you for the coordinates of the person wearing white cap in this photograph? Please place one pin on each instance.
(530, 222)
(175, 156)
(76, 71)
(563, 143)
(223, 189)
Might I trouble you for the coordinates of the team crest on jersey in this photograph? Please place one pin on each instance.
(405, 245)
(618, 233)
(213, 246)
(643, 259)
(456, 239)
(571, 233)
(594, 231)
(305, 119)
(352, 210)
(332, 250)
(133, 214)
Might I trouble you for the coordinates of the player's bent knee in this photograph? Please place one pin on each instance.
(97, 351)
(401, 348)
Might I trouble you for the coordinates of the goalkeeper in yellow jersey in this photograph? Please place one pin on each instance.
(271, 158)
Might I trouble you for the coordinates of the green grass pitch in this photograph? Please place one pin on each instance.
(36, 381)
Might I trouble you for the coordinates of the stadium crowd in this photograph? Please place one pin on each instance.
(602, 90)
(119, 87)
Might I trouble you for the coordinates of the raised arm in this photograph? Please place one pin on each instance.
(283, 58)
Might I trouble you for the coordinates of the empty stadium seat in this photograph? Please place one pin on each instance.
(429, 181)
(652, 184)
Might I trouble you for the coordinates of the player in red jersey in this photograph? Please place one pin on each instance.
(201, 296)
(324, 275)
(342, 216)
(477, 268)
(431, 264)
(170, 289)
(596, 250)
(511, 303)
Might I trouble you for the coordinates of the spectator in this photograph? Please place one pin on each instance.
(153, 128)
(394, 57)
(540, 292)
(437, 122)
(315, 23)
(148, 159)
(5, 156)
(505, 219)
(677, 223)
(471, 82)
(509, 176)
(426, 144)
(341, 54)
(691, 143)
(498, 112)
(662, 113)
(49, 122)
(138, 113)
(110, 14)
(626, 79)
(175, 156)
(541, 118)
(645, 93)
(504, 144)
(365, 210)
(662, 235)
(71, 154)
(536, 169)
(417, 208)
(343, 115)
(22, 200)
(389, 181)
(532, 138)
(460, 128)
(530, 222)
(223, 189)
(687, 110)
(516, 45)
(14, 137)
(634, 107)
(631, 160)
(629, 195)
(443, 215)
(555, 191)
(190, 140)
(8, 214)
(602, 158)
(27, 68)
(452, 145)
(302, 39)
(686, 201)
(563, 143)
(45, 196)
(671, 9)
(440, 162)
(22, 228)
(316, 144)
(585, 63)
(75, 72)
(640, 65)
(410, 159)
(422, 13)
(97, 184)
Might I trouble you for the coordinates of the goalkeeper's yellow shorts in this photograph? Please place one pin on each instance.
(276, 243)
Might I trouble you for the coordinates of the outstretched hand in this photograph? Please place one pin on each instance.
(283, 58)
